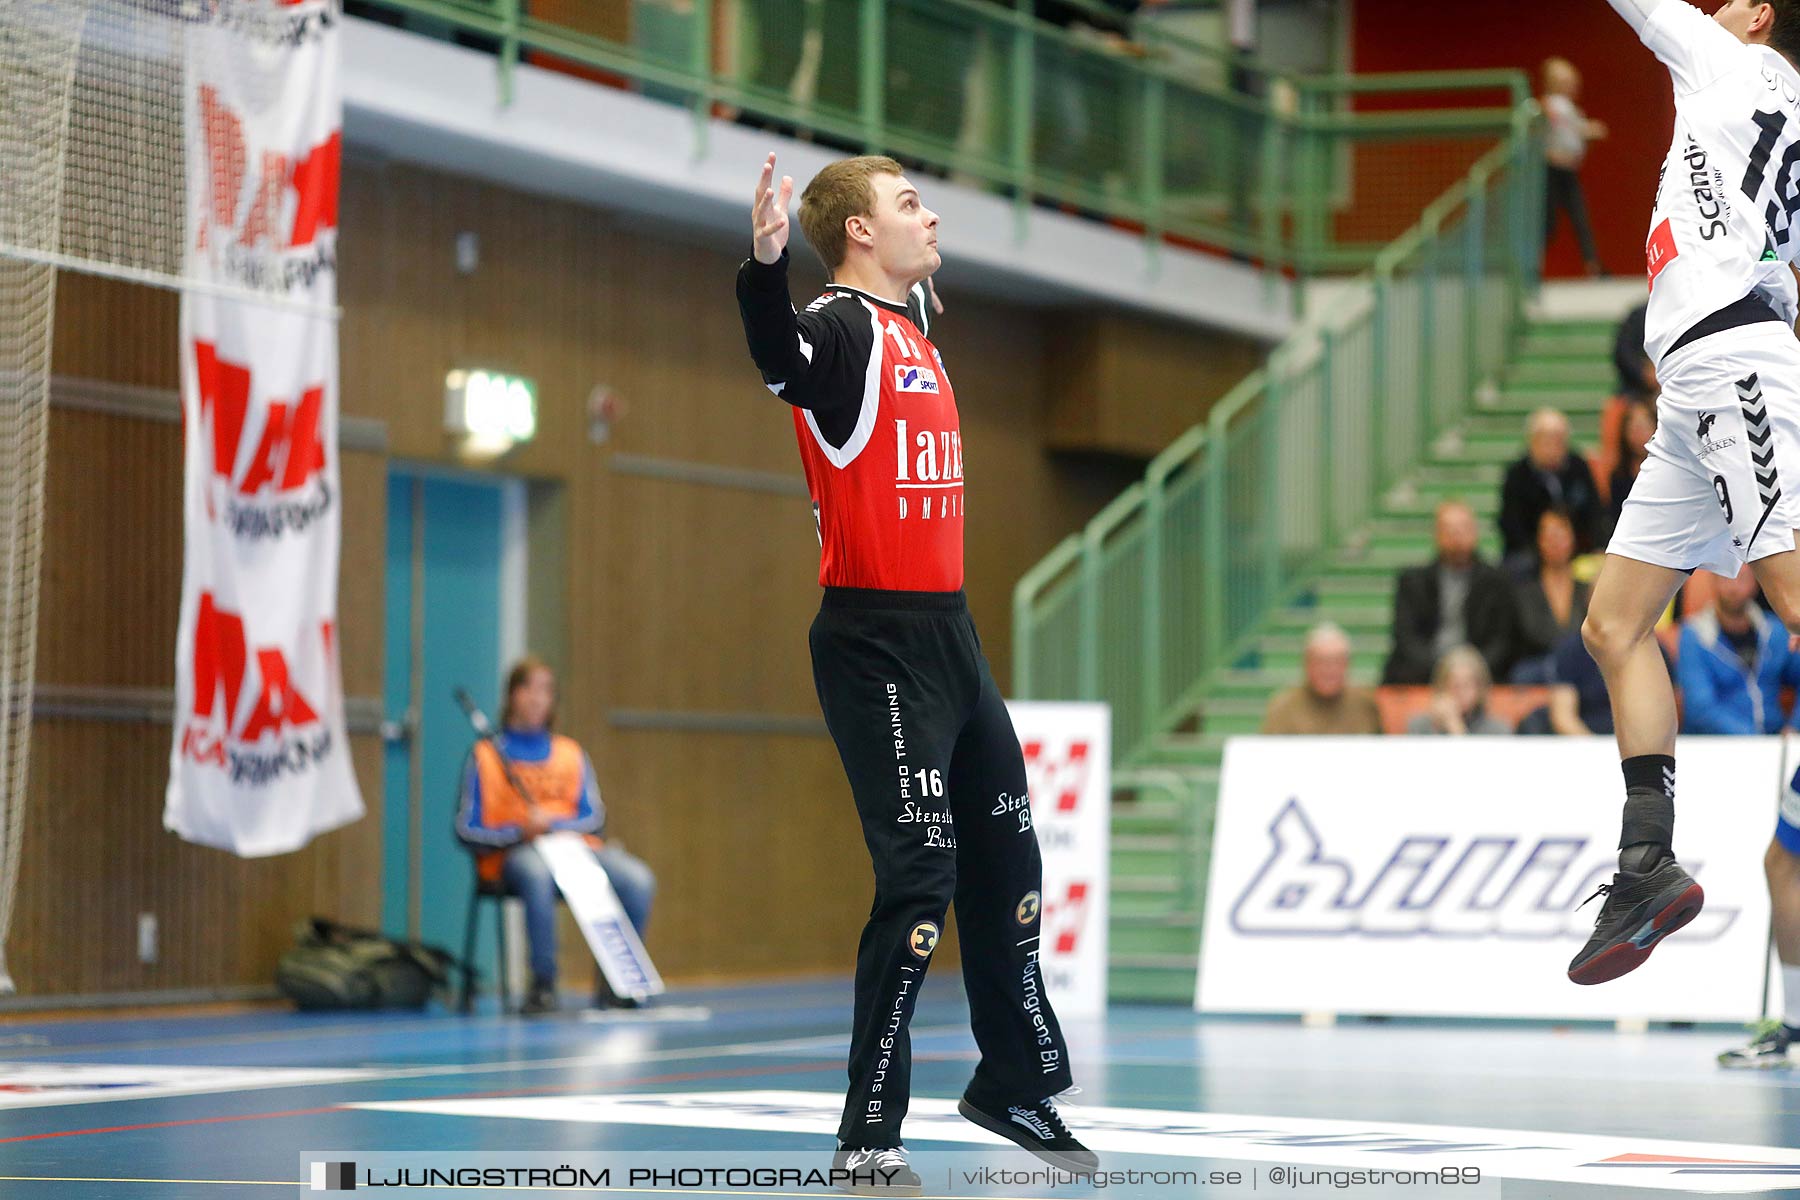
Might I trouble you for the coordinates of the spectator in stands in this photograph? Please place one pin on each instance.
(1579, 704)
(1079, 138)
(1552, 602)
(1734, 661)
(499, 824)
(1548, 476)
(1636, 428)
(1565, 146)
(1459, 695)
(1636, 385)
(1324, 704)
(1454, 599)
(1637, 374)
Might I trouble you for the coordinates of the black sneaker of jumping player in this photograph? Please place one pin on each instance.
(876, 1171)
(1768, 1051)
(1641, 909)
(1033, 1124)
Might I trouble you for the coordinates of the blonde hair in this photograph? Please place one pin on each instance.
(837, 193)
(1555, 70)
(1462, 656)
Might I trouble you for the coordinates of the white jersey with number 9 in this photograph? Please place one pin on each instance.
(1727, 219)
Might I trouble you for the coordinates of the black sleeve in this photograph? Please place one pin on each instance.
(1515, 510)
(1535, 628)
(1497, 639)
(918, 308)
(1589, 517)
(1629, 358)
(1410, 662)
(816, 359)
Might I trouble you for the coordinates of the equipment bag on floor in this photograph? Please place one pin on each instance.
(337, 966)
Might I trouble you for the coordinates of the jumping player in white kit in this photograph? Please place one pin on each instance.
(1721, 485)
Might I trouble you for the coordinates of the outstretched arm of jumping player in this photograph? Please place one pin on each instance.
(1696, 49)
(1637, 12)
(801, 355)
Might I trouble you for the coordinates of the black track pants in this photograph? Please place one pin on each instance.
(939, 784)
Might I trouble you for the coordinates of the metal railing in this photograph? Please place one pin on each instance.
(1192, 827)
(1176, 139)
(1171, 582)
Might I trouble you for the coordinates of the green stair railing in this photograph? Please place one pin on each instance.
(1174, 139)
(1172, 581)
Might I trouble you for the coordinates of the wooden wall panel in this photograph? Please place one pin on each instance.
(533, 307)
(683, 365)
(362, 571)
(111, 583)
(95, 856)
(722, 586)
(756, 846)
(1130, 386)
(118, 332)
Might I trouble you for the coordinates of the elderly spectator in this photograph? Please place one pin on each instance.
(1547, 477)
(1459, 694)
(1734, 662)
(1552, 602)
(1324, 704)
(1454, 599)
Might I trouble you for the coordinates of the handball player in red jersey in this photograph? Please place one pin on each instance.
(933, 763)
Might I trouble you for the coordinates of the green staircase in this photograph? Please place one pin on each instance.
(1184, 603)
(1155, 920)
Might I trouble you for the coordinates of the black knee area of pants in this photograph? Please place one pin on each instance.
(1649, 828)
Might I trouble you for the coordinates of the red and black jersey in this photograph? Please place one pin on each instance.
(876, 421)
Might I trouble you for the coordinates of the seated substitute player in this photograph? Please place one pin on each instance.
(934, 766)
(1721, 485)
(500, 825)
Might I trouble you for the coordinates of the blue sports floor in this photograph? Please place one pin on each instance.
(93, 1108)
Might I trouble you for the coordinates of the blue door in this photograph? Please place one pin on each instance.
(446, 598)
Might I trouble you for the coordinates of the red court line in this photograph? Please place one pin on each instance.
(297, 1112)
(681, 1077)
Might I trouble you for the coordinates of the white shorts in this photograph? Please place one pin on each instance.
(1721, 485)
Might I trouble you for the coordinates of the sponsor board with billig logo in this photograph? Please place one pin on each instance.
(1446, 878)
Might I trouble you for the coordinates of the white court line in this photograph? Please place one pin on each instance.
(257, 1079)
(43, 1046)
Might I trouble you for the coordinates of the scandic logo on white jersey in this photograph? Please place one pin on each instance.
(915, 379)
(1728, 199)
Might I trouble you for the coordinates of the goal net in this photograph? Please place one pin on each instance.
(93, 172)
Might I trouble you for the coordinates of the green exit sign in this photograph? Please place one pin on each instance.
(489, 411)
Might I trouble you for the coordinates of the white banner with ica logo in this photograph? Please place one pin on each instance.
(261, 759)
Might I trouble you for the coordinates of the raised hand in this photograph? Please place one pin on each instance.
(769, 218)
